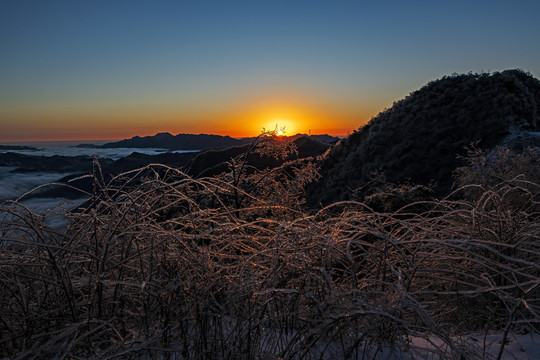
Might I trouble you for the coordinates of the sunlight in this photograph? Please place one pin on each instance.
(282, 127)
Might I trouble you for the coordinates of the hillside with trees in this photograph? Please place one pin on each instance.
(420, 138)
(215, 162)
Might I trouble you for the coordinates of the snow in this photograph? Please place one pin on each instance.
(470, 347)
(518, 346)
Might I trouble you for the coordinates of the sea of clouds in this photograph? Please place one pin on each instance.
(112, 153)
(14, 184)
(17, 185)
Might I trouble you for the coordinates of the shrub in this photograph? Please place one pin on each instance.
(158, 264)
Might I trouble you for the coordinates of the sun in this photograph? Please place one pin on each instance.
(281, 126)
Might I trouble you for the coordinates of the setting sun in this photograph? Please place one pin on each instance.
(282, 126)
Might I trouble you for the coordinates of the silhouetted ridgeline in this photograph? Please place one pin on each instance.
(79, 166)
(214, 162)
(177, 142)
(17, 147)
(36, 163)
(191, 141)
(420, 137)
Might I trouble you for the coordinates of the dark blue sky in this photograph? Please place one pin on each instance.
(109, 69)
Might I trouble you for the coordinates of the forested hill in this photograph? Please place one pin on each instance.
(420, 137)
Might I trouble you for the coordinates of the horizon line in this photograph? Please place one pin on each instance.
(5, 141)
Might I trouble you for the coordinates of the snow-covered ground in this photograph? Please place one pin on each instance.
(517, 346)
(472, 347)
(520, 136)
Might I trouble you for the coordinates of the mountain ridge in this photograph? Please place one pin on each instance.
(420, 138)
(182, 141)
(215, 161)
(168, 141)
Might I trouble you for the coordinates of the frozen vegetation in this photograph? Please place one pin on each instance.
(247, 263)
(160, 265)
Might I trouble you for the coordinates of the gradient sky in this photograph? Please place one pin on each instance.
(110, 69)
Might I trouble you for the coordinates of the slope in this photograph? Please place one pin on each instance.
(420, 138)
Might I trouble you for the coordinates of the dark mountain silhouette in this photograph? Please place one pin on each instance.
(207, 163)
(17, 147)
(175, 142)
(83, 165)
(110, 169)
(56, 163)
(137, 160)
(213, 162)
(419, 139)
(190, 141)
(210, 163)
(323, 138)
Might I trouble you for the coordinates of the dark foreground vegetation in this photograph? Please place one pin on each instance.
(161, 265)
(186, 268)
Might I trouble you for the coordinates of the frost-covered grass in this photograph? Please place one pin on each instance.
(172, 267)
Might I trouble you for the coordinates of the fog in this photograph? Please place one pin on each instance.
(14, 184)
(113, 153)
(19, 185)
(53, 209)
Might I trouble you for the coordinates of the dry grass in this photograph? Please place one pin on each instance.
(169, 268)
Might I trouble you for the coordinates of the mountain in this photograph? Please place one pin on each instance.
(213, 162)
(325, 138)
(17, 147)
(191, 141)
(55, 163)
(420, 138)
(206, 163)
(175, 142)
(82, 165)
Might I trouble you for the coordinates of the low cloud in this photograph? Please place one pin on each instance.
(109, 153)
(53, 210)
(15, 184)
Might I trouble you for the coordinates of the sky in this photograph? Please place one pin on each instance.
(113, 69)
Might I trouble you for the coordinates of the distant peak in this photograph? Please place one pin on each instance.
(163, 134)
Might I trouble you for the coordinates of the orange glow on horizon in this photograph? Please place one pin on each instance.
(293, 117)
(116, 136)
(284, 127)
